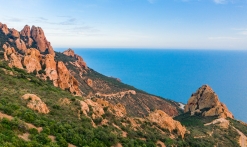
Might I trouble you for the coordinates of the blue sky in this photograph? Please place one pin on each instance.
(179, 24)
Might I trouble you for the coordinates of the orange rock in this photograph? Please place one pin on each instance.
(11, 56)
(15, 61)
(89, 82)
(4, 28)
(69, 52)
(51, 68)
(166, 122)
(20, 44)
(79, 60)
(26, 31)
(66, 80)
(35, 103)
(205, 101)
(42, 44)
(15, 33)
(32, 60)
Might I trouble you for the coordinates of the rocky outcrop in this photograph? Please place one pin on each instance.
(32, 60)
(4, 28)
(66, 80)
(11, 56)
(42, 44)
(26, 33)
(84, 107)
(35, 103)
(69, 52)
(79, 60)
(206, 102)
(98, 110)
(15, 33)
(166, 122)
(89, 82)
(20, 44)
(51, 68)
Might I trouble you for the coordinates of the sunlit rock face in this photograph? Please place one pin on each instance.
(206, 102)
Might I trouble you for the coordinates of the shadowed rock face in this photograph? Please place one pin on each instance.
(205, 101)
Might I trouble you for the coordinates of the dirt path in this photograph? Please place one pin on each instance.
(242, 138)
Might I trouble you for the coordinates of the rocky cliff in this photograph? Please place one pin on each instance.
(204, 101)
(30, 50)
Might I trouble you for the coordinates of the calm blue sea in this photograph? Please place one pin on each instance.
(176, 74)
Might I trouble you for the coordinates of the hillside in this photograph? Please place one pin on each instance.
(50, 98)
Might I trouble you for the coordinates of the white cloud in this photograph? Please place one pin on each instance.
(220, 1)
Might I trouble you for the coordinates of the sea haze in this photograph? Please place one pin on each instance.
(176, 74)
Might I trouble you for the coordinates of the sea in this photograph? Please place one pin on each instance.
(176, 74)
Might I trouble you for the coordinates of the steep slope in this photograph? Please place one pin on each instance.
(71, 119)
(30, 50)
(93, 84)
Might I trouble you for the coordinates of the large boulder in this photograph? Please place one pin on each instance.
(35, 103)
(206, 102)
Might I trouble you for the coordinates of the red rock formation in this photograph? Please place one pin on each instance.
(42, 44)
(26, 31)
(4, 28)
(205, 101)
(69, 52)
(32, 60)
(15, 33)
(79, 60)
(11, 56)
(51, 68)
(27, 34)
(66, 80)
(20, 44)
